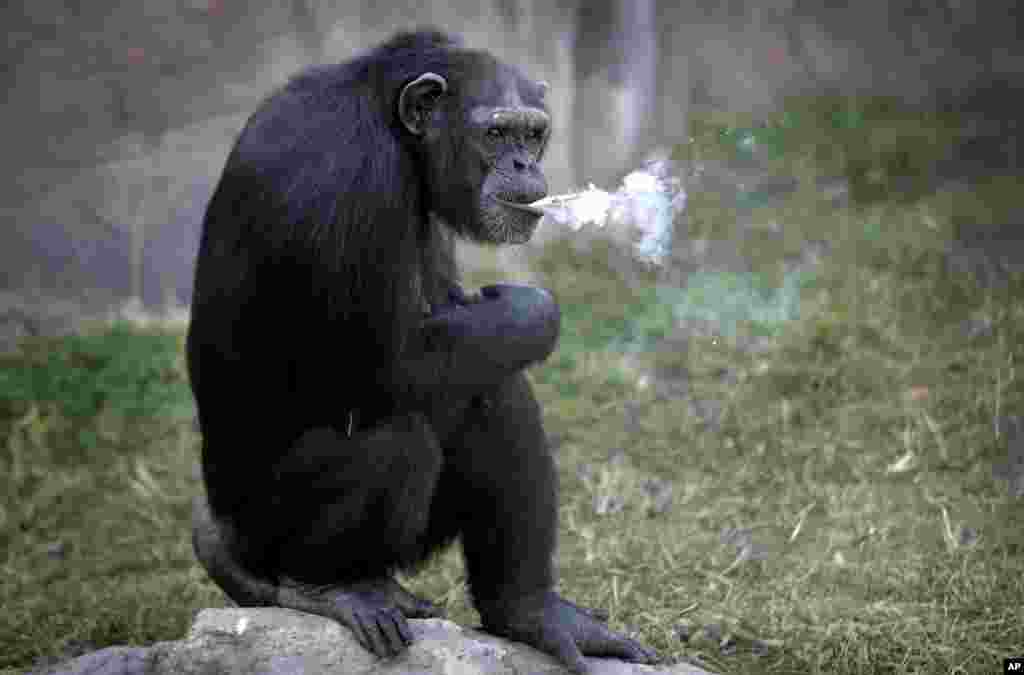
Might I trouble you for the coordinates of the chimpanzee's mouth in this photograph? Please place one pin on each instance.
(532, 210)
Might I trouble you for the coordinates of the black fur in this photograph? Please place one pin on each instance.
(357, 411)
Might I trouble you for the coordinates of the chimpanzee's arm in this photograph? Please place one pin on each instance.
(463, 349)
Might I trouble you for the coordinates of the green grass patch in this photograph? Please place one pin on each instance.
(886, 150)
(96, 473)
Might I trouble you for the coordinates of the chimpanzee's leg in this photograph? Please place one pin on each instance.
(509, 486)
(356, 507)
(350, 511)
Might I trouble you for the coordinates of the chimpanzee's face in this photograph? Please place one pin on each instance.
(482, 142)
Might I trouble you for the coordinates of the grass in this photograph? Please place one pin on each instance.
(833, 504)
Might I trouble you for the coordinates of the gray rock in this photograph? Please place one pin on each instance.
(109, 661)
(270, 641)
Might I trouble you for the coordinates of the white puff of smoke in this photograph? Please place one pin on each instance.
(640, 213)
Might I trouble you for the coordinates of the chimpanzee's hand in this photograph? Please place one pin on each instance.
(564, 630)
(375, 610)
(525, 312)
(511, 324)
(457, 297)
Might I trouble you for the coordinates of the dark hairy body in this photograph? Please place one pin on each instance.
(358, 410)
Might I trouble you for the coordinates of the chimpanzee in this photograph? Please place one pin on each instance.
(359, 411)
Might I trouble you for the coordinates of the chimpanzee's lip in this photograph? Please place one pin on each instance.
(521, 207)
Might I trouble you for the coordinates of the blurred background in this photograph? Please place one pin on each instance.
(118, 116)
(784, 404)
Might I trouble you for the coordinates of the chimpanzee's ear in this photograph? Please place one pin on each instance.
(417, 101)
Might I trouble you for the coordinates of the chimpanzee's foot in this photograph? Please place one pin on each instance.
(375, 610)
(561, 628)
